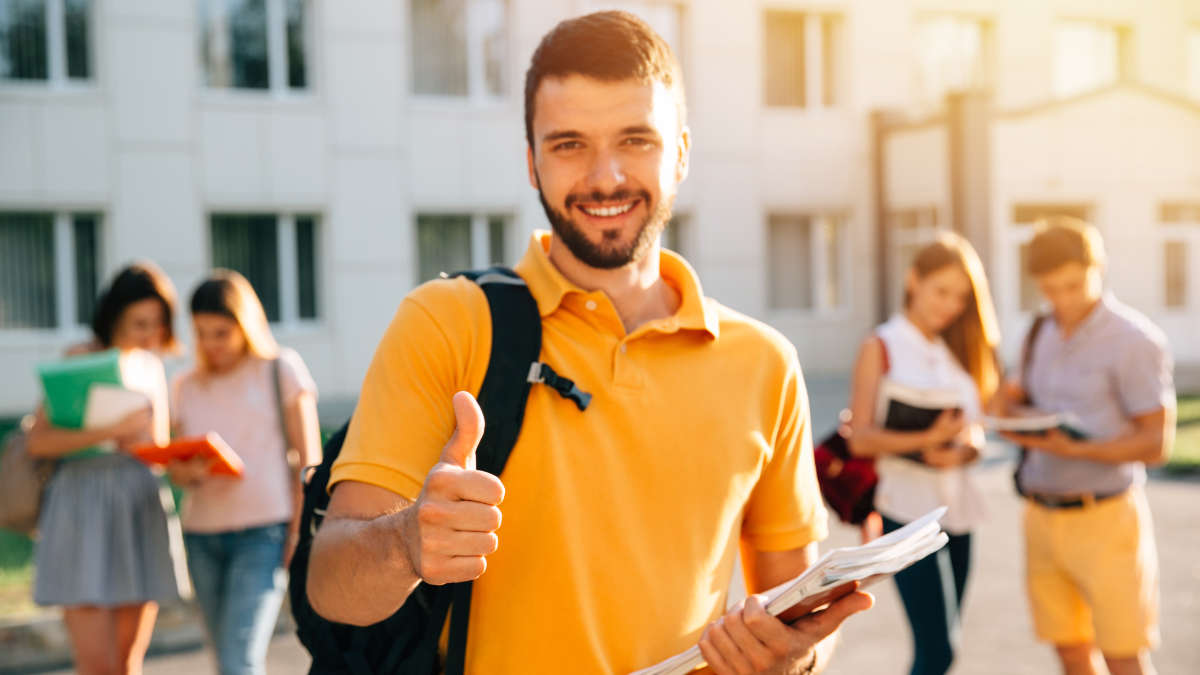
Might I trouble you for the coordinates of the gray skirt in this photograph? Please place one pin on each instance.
(108, 536)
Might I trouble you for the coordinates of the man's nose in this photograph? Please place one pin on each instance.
(606, 173)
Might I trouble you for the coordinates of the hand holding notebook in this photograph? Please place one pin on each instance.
(838, 573)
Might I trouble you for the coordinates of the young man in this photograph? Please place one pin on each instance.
(620, 523)
(1092, 569)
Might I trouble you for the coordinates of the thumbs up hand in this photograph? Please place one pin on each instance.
(452, 526)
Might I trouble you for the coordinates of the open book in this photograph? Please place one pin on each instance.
(903, 408)
(833, 577)
(1037, 424)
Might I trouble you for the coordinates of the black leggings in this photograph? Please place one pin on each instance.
(932, 591)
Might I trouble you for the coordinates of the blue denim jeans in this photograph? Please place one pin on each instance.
(240, 583)
(932, 592)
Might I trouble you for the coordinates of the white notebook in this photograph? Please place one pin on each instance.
(833, 576)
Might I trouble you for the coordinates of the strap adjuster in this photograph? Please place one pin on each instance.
(540, 373)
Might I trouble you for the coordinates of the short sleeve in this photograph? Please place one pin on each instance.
(294, 378)
(436, 345)
(1145, 380)
(785, 510)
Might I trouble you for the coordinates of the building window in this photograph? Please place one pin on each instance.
(459, 48)
(804, 262)
(48, 268)
(47, 40)
(951, 57)
(1180, 233)
(452, 242)
(910, 230)
(801, 59)
(277, 254)
(254, 44)
(1024, 289)
(1088, 55)
(1193, 57)
(664, 16)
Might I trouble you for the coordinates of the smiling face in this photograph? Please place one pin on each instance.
(607, 158)
(937, 299)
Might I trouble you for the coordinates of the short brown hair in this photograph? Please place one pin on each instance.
(1060, 240)
(608, 46)
(139, 281)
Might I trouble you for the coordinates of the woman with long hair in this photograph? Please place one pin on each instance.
(240, 532)
(105, 550)
(943, 340)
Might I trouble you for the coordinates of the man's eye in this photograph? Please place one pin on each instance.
(639, 142)
(568, 145)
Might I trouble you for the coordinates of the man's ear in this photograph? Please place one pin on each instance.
(533, 179)
(683, 160)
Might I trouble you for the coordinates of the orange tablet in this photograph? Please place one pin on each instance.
(225, 461)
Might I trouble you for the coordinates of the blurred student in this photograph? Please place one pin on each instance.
(240, 532)
(104, 552)
(1091, 565)
(944, 339)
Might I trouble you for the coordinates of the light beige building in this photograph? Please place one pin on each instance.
(341, 152)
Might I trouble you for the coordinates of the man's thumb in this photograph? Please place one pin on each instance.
(468, 431)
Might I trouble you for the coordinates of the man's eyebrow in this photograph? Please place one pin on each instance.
(559, 135)
(639, 129)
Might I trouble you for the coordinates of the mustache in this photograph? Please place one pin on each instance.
(597, 196)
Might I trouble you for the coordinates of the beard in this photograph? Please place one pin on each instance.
(610, 253)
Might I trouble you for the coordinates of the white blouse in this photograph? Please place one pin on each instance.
(907, 490)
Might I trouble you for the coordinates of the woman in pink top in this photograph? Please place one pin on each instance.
(240, 532)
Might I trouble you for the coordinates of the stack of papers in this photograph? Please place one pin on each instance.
(834, 576)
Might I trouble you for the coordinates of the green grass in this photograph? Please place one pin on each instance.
(1185, 457)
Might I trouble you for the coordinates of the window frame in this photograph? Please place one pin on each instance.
(1186, 232)
(477, 95)
(277, 89)
(985, 24)
(480, 236)
(818, 74)
(928, 222)
(57, 78)
(819, 269)
(287, 253)
(68, 325)
(1122, 35)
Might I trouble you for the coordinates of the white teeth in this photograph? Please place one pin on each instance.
(608, 211)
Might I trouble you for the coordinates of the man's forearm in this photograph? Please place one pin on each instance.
(358, 572)
(1144, 445)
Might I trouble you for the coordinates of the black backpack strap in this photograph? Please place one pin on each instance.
(516, 343)
(1026, 358)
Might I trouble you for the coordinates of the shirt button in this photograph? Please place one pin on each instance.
(622, 349)
(591, 305)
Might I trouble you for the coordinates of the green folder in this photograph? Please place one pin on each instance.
(67, 382)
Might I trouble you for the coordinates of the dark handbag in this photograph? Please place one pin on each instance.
(847, 482)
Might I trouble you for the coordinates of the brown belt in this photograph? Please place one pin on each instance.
(1071, 501)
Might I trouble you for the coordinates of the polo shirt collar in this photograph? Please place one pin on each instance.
(1095, 318)
(549, 287)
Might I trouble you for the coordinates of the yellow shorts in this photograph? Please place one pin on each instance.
(1092, 574)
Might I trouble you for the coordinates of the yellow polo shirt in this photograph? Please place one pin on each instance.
(621, 522)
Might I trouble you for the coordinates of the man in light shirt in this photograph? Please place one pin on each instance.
(1092, 569)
